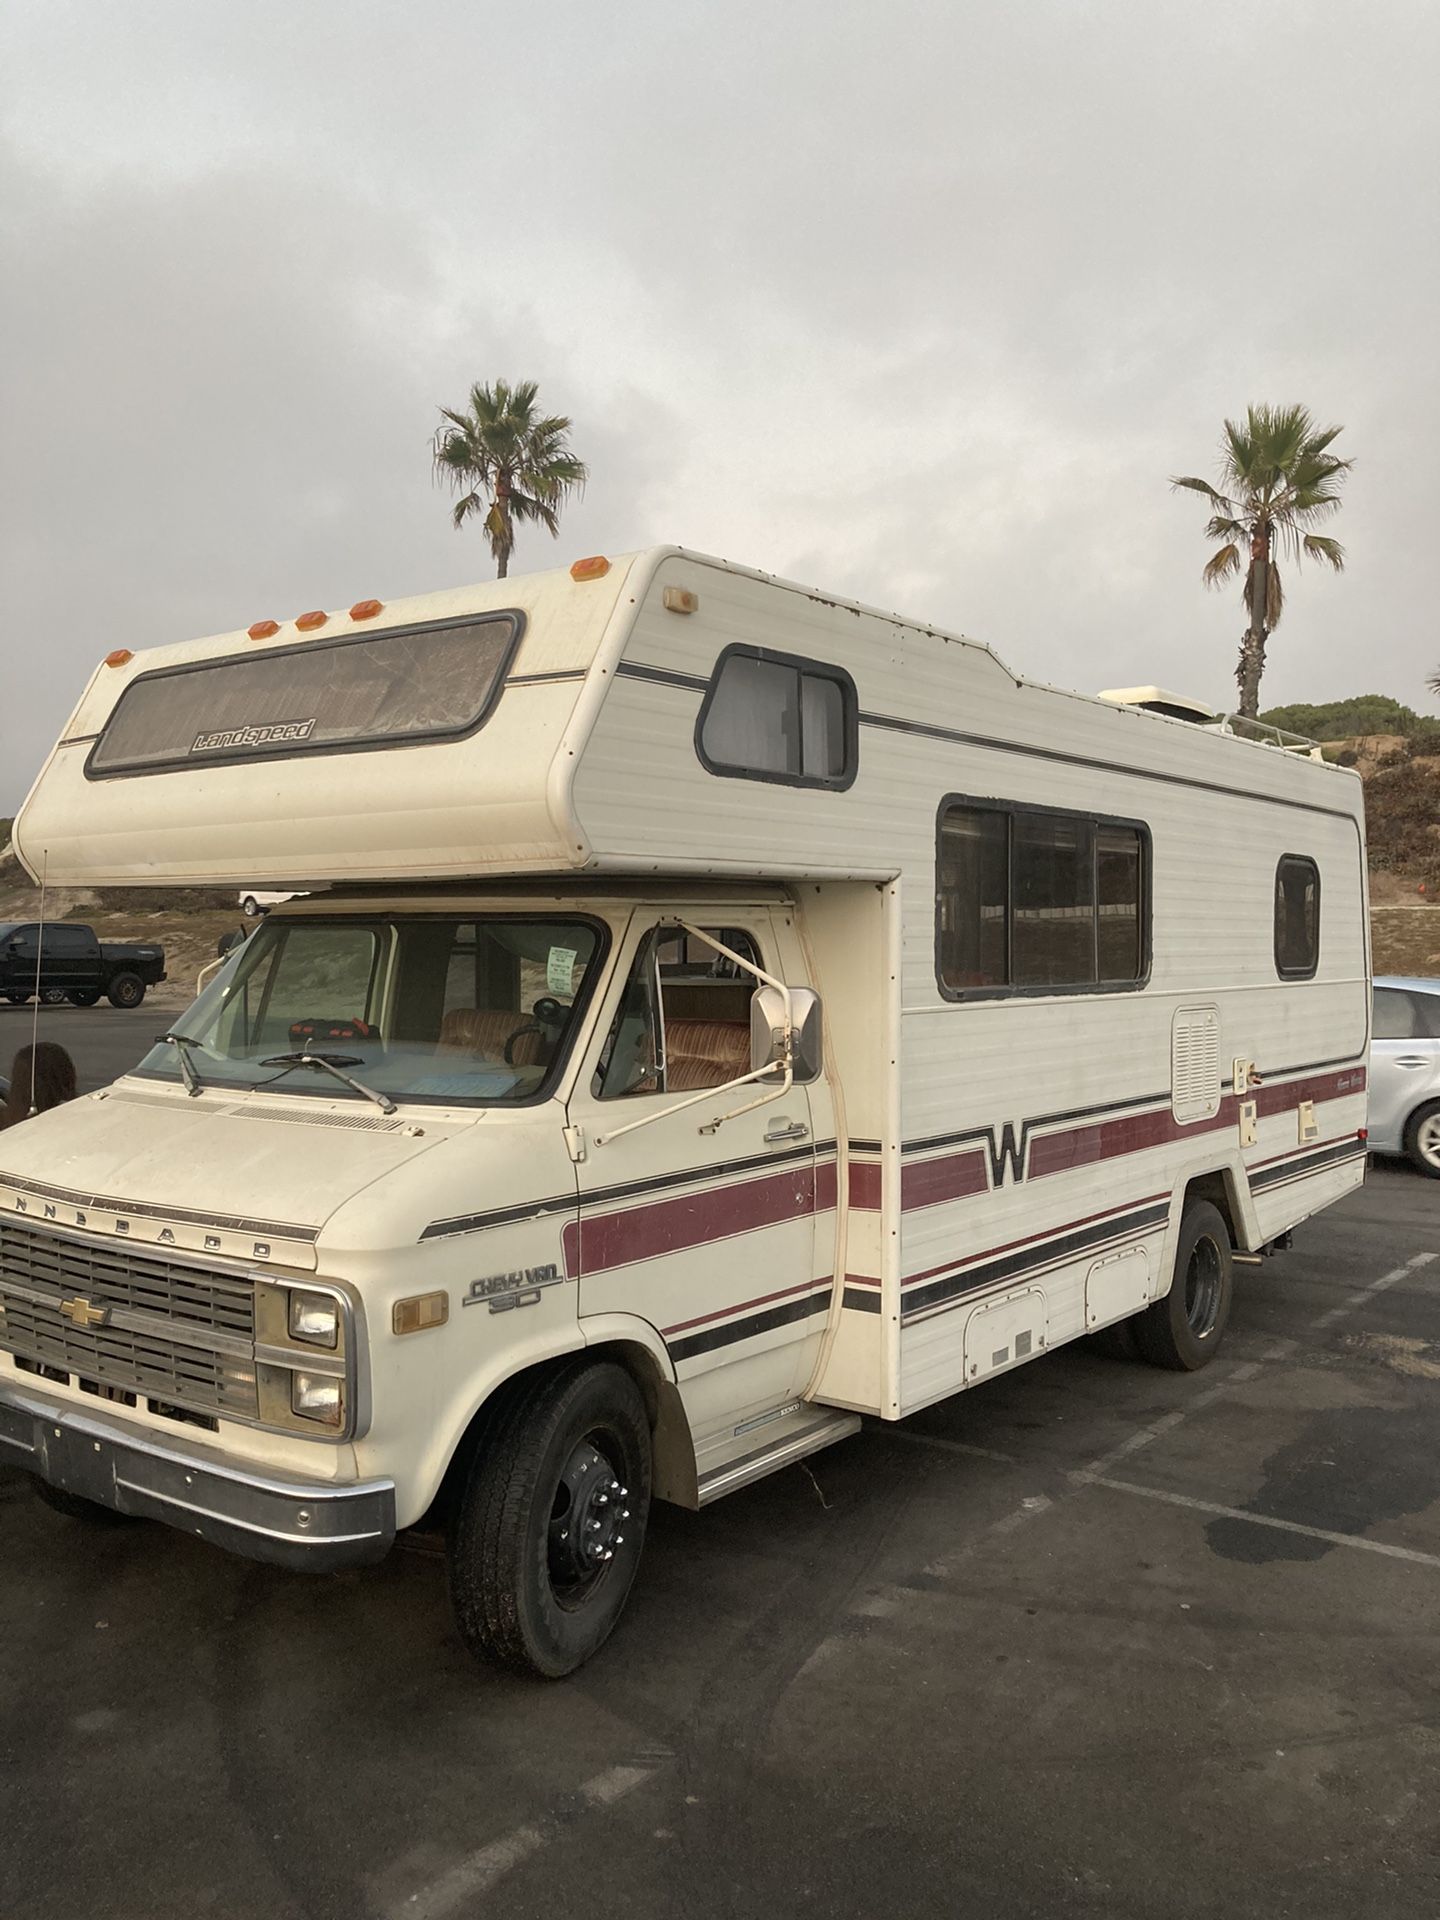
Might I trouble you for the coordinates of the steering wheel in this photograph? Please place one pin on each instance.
(549, 1018)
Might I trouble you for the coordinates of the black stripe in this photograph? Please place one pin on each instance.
(662, 676)
(860, 1300)
(546, 679)
(1032, 1260)
(629, 1190)
(1298, 1165)
(891, 723)
(864, 1146)
(706, 1339)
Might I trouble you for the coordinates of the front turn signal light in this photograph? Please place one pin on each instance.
(595, 567)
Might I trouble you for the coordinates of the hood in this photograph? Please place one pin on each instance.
(211, 1175)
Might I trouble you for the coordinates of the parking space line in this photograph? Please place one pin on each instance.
(1362, 1294)
(479, 1871)
(943, 1445)
(1259, 1519)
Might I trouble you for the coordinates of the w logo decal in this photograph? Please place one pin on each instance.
(1007, 1154)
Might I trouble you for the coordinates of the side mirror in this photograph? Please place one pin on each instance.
(228, 942)
(767, 1031)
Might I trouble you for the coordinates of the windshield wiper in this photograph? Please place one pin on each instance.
(182, 1042)
(332, 1063)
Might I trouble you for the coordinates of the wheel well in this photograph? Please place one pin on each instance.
(1214, 1187)
(674, 1463)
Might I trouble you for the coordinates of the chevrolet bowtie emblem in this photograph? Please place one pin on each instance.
(84, 1313)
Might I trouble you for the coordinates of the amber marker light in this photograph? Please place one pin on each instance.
(263, 629)
(680, 600)
(594, 568)
(420, 1311)
(308, 622)
(366, 609)
(118, 657)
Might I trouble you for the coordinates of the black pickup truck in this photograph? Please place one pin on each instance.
(74, 965)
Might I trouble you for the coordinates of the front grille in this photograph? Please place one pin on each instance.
(116, 1274)
(177, 1334)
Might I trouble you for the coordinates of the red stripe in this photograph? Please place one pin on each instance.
(744, 1306)
(926, 1183)
(861, 1280)
(608, 1240)
(865, 1177)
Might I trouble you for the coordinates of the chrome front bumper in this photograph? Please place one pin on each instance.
(291, 1523)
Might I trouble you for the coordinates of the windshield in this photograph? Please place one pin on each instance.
(464, 1009)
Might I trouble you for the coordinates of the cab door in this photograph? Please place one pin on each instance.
(712, 1221)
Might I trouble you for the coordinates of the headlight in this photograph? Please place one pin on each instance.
(318, 1396)
(314, 1318)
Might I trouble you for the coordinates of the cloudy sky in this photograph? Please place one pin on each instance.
(920, 303)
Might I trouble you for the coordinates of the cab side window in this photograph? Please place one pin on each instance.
(684, 1019)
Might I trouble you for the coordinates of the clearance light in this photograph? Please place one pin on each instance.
(680, 600)
(118, 657)
(263, 629)
(594, 568)
(366, 609)
(308, 622)
(420, 1311)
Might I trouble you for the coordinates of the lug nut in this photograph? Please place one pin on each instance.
(608, 1554)
(602, 1499)
(593, 1525)
(625, 1513)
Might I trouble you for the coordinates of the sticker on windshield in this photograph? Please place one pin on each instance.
(560, 970)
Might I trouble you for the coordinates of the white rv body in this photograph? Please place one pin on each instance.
(981, 1171)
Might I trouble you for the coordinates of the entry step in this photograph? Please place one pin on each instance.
(772, 1441)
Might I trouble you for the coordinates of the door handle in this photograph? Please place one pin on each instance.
(1412, 1060)
(786, 1130)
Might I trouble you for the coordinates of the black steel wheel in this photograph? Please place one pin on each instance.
(1184, 1330)
(126, 990)
(546, 1535)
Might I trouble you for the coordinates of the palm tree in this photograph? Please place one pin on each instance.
(1278, 479)
(507, 463)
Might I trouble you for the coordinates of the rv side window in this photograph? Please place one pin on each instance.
(684, 1020)
(772, 716)
(1297, 917)
(1031, 901)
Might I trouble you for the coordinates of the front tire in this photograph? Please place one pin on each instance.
(1422, 1139)
(126, 990)
(250, 906)
(547, 1532)
(1184, 1330)
(18, 999)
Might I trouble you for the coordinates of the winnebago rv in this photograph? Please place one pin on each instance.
(717, 1012)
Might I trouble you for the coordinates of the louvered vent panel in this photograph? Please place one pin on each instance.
(1195, 1063)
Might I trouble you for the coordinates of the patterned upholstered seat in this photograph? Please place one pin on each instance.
(485, 1030)
(705, 1053)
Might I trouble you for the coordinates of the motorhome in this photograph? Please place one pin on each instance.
(716, 1013)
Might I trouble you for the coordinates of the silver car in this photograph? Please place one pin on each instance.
(1405, 1071)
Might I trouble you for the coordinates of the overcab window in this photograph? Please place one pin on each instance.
(409, 684)
(772, 716)
(1297, 917)
(1030, 901)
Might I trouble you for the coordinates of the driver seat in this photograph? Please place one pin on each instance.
(484, 1031)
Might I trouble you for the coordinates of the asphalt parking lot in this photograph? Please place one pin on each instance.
(1092, 1640)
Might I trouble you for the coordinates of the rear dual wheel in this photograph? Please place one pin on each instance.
(1184, 1330)
(546, 1535)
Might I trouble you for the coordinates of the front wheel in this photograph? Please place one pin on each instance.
(546, 1536)
(1422, 1139)
(83, 996)
(1184, 1330)
(126, 990)
(250, 906)
(18, 999)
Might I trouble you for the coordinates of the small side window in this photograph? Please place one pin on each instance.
(1297, 917)
(774, 716)
(1395, 1015)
